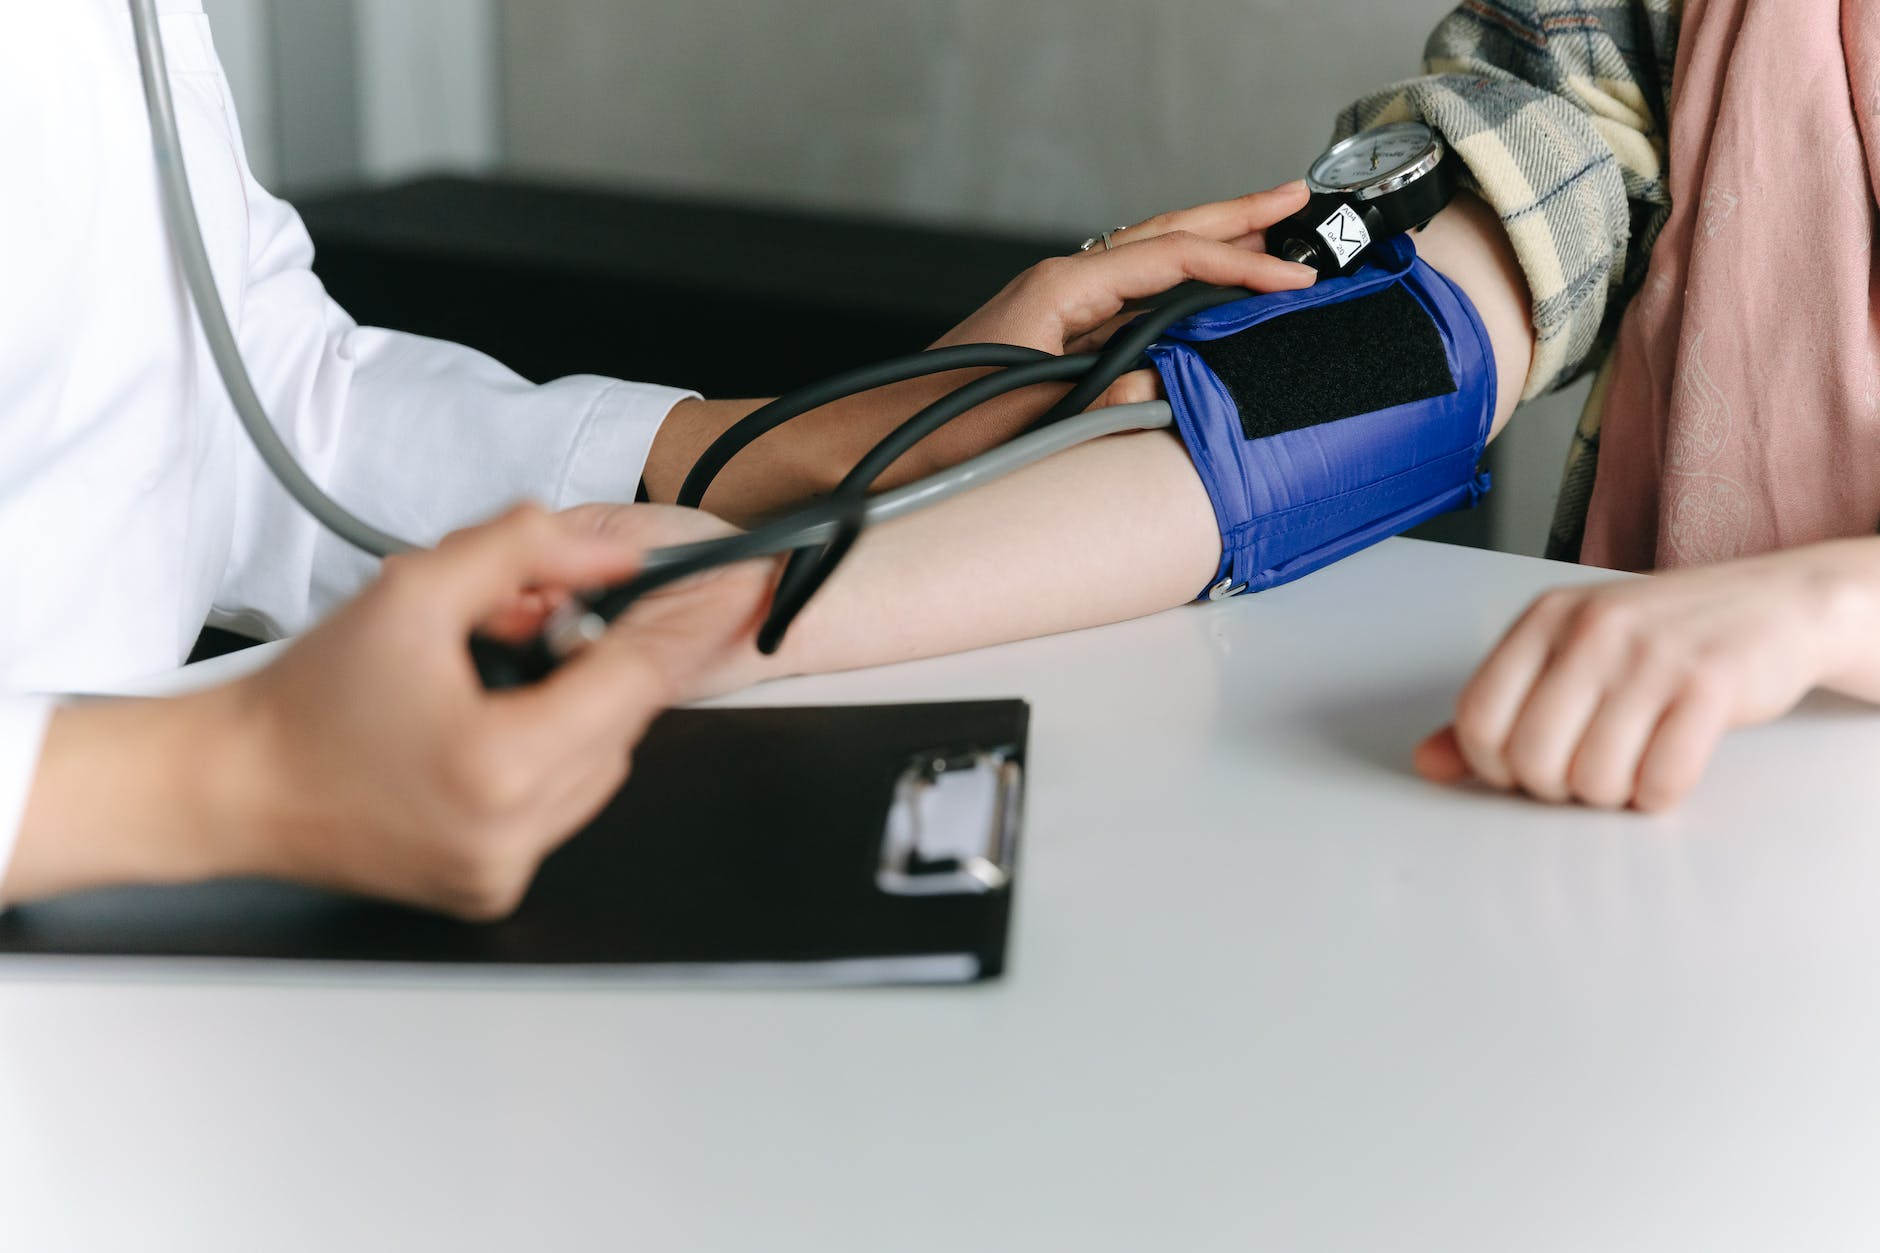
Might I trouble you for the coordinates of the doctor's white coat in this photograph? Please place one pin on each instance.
(132, 509)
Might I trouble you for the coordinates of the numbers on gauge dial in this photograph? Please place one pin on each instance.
(1373, 156)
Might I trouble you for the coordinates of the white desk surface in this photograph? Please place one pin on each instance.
(1268, 991)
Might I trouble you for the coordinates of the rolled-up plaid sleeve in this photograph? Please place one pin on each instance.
(1556, 108)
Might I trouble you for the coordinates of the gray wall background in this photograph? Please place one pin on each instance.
(1005, 113)
(1064, 116)
(332, 92)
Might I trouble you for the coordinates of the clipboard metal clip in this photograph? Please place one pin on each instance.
(953, 824)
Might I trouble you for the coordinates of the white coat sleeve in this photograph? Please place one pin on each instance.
(416, 436)
(22, 730)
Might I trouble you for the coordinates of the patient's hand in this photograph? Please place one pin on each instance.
(1617, 695)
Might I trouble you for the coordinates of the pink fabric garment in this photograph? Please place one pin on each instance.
(1743, 409)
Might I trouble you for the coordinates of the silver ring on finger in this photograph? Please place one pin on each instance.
(1104, 239)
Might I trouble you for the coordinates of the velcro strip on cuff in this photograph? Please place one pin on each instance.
(1332, 362)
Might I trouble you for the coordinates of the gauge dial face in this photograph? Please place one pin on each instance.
(1373, 156)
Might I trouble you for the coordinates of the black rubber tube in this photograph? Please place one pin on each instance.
(807, 570)
(748, 430)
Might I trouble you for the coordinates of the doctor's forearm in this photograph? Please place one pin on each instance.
(130, 792)
(808, 457)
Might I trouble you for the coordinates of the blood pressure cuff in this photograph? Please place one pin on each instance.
(1325, 420)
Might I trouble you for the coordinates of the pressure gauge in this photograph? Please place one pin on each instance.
(1375, 185)
(1377, 162)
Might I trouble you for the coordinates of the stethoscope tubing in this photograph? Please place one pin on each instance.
(826, 526)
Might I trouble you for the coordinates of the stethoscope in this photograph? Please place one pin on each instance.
(816, 536)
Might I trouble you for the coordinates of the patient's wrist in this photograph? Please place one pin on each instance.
(1849, 615)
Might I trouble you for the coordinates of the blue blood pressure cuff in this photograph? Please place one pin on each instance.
(1325, 420)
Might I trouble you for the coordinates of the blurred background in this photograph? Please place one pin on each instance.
(496, 171)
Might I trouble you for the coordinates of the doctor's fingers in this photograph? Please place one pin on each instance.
(1136, 387)
(502, 870)
(1241, 221)
(658, 655)
(603, 698)
(1089, 291)
(483, 875)
(479, 572)
(1094, 339)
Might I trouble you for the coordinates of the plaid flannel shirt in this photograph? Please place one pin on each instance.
(1557, 108)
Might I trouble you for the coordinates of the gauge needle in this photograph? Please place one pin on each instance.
(1374, 159)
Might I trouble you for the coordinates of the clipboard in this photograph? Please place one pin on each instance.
(834, 845)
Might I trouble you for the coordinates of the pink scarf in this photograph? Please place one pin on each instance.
(1743, 405)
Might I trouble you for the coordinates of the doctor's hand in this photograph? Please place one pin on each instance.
(675, 610)
(1617, 696)
(369, 758)
(392, 772)
(1074, 304)
(1066, 304)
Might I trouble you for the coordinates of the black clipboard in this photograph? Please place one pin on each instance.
(804, 846)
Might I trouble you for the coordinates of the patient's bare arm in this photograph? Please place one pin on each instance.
(1106, 532)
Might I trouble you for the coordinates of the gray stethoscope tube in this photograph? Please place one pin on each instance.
(186, 234)
(193, 255)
